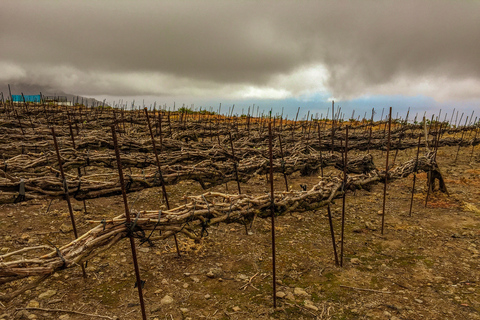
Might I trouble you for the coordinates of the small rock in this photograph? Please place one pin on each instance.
(8, 238)
(156, 309)
(215, 273)
(456, 235)
(33, 304)
(144, 249)
(309, 305)
(280, 294)
(354, 261)
(207, 296)
(236, 309)
(241, 277)
(166, 300)
(184, 310)
(25, 236)
(47, 294)
(66, 227)
(77, 208)
(300, 292)
(165, 281)
(64, 317)
(195, 279)
(185, 285)
(418, 301)
(4, 250)
(290, 296)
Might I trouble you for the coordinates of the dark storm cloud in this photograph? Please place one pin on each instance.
(107, 46)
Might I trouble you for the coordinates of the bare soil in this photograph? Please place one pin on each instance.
(425, 266)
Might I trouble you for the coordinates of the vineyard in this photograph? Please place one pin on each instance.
(364, 219)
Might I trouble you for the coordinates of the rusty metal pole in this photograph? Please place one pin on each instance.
(283, 159)
(333, 124)
(78, 168)
(272, 208)
(320, 149)
(127, 217)
(370, 131)
(67, 196)
(473, 143)
(330, 221)
(344, 194)
(164, 190)
(386, 169)
(234, 163)
(415, 174)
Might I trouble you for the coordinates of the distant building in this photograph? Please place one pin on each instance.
(18, 98)
(57, 100)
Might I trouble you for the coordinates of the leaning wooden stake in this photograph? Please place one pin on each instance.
(272, 208)
(386, 170)
(129, 224)
(164, 190)
(67, 196)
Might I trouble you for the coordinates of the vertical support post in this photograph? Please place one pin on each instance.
(272, 208)
(234, 163)
(345, 159)
(283, 160)
(415, 174)
(79, 172)
(164, 190)
(386, 170)
(67, 196)
(320, 148)
(473, 143)
(127, 217)
(333, 125)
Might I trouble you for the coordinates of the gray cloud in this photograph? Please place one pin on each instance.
(223, 47)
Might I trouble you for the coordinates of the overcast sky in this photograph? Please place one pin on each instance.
(282, 52)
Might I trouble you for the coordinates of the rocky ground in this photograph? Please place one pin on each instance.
(425, 266)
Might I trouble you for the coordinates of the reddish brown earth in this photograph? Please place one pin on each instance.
(425, 266)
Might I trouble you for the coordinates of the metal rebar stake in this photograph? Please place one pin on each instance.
(127, 217)
(415, 175)
(344, 194)
(234, 163)
(272, 208)
(67, 196)
(164, 190)
(386, 169)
